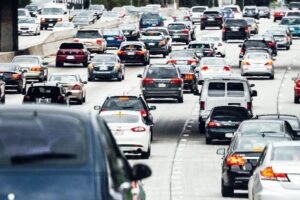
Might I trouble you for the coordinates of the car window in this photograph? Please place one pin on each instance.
(64, 78)
(238, 22)
(123, 103)
(71, 46)
(42, 138)
(176, 26)
(261, 127)
(286, 153)
(290, 21)
(230, 114)
(88, 34)
(216, 89)
(162, 72)
(235, 90)
(199, 46)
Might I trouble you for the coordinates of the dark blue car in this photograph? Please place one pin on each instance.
(54, 153)
(113, 37)
(150, 20)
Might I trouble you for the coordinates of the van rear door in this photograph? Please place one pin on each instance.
(236, 94)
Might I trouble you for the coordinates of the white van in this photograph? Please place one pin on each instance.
(197, 12)
(229, 91)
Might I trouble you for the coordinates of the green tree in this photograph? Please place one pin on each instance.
(23, 3)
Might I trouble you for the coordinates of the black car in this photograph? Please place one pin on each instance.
(235, 29)
(155, 42)
(264, 12)
(224, 120)
(251, 11)
(211, 18)
(202, 49)
(162, 81)
(134, 52)
(46, 93)
(190, 81)
(135, 103)
(252, 43)
(73, 150)
(130, 31)
(13, 76)
(180, 32)
(106, 66)
(241, 158)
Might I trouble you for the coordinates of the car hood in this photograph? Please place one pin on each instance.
(49, 185)
(26, 65)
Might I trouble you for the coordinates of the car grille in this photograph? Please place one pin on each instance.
(24, 28)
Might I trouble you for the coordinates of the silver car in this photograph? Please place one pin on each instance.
(73, 83)
(277, 175)
(257, 64)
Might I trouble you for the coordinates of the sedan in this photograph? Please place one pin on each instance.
(13, 76)
(62, 26)
(277, 174)
(113, 37)
(73, 83)
(155, 42)
(134, 52)
(106, 66)
(131, 132)
(34, 67)
(28, 25)
(257, 64)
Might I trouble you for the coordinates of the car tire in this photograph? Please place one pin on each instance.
(202, 27)
(221, 27)
(120, 76)
(91, 77)
(20, 88)
(227, 191)
(164, 55)
(146, 155)
(207, 140)
(180, 99)
(80, 101)
(59, 64)
(85, 63)
(84, 99)
(296, 100)
(3, 99)
(288, 48)
(274, 20)
(201, 127)
(272, 76)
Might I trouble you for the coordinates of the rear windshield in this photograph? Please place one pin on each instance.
(258, 56)
(256, 144)
(255, 43)
(250, 9)
(287, 153)
(182, 54)
(71, 46)
(121, 118)
(230, 114)
(216, 89)
(199, 46)
(176, 26)
(44, 91)
(266, 127)
(104, 58)
(236, 22)
(235, 90)
(123, 103)
(42, 139)
(162, 73)
(64, 78)
(290, 21)
(150, 33)
(211, 13)
(88, 34)
(199, 9)
(131, 48)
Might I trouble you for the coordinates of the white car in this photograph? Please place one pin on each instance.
(22, 12)
(62, 26)
(167, 21)
(277, 175)
(197, 12)
(130, 131)
(109, 16)
(217, 42)
(28, 25)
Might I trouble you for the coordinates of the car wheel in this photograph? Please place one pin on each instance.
(296, 100)
(120, 76)
(84, 99)
(207, 140)
(221, 27)
(146, 155)
(91, 77)
(164, 55)
(274, 20)
(288, 48)
(202, 127)
(180, 99)
(80, 101)
(227, 191)
(59, 64)
(202, 27)
(3, 99)
(85, 63)
(240, 64)
(272, 76)
(20, 87)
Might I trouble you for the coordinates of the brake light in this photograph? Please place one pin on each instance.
(15, 76)
(99, 41)
(271, 44)
(213, 124)
(76, 87)
(148, 81)
(80, 53)
(138, 129)
(235, 160)
(269, 64)
(121, 53)
(202, 105)
(246, 29)
(226, 68)
(76, 40)
(140, 53)
(119, 38)
(185, 31)
(143, 113)
(204, 68)
(171, 61)
(203, 18)
(60, 52)
(249, 105)
(298, 83)
(269, 174)
(188, 76)
(176, 81)
(36, 69)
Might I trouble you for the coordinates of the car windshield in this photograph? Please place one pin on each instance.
(26, 21)
(236, 22)
(290, 21)
(162, 72)
(71, 46)
(294, 122)
(52, 11)
(256, 126)
(249, 9)
(198, 9)
(294, 5)
(234, 9)
(64, 78)
(88, 34)
(131, 48)
(176, 26)
(7, 67)
(199, 46)
(257, 56)
(121, 118)
(150, 21)
(104, 58)
(42, 139)
(182, 54)
(29, 60)
(230, 114)
(111, 32)
(254, 144)
(286, 153)
(214, 62)
(123, 103)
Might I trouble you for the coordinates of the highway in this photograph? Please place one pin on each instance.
(183, 166)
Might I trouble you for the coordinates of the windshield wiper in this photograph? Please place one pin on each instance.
(32, 158)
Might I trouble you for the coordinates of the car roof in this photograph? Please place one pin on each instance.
(229, 78)
(123, 112)
(286, 144)
(132, 43)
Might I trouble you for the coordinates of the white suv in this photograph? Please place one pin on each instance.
(197, 12)
(218, 91)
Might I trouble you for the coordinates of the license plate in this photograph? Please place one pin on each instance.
(153, 24)
(50, 24)
(162, 85)
(70, 57)
(88, 43)
(126, 33)
(151, 44)
(211, 19)
(41, 100)
(176, 36)
(131, 53)
(104, 68)
(110, 38)
(235, 29)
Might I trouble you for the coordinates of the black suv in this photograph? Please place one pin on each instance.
(211, 18)
(155, 42)
(235, 29)
(253, 43)
(46, 93)
(162, 81)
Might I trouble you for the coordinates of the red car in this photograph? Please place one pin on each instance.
(74, 53)
(297, 88)
(278, 15)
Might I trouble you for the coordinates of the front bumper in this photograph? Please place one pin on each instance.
(133, 144)
(26, 31)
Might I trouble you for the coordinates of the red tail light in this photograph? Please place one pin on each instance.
(140, 53)
(202, 105)
(119, 38)
(148, 81)
(76, 87)
(76, 40)
(246, 29)
(121, 53)
(249, 105)
(203, 18)
(99, 41)
(271, 44)
(138, 129)
(235, 160)
(16, 76)
(185, 31)
(226, 68)
(213, 124)
(143, 113)
(176, 81)
(171, 61)
(80, 53)
(298, 83)
(224, 29)
(269, 174)
(204, 68)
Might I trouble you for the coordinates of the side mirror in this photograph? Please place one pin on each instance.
(45, 63)
(68, 94)
(254, 93)
(221, 151)
(152, 108)
(240, 45)
(84, 82)
(139, 76)
(252, 85)
(97, 107)
(140, 172)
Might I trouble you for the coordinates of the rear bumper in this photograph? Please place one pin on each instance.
(219, 133)
(76, 59)
(135, 59)
(158, 50)
(148, 93)
(105, 74)
(257, 72)
(235, 35)
(238, 179)
(136, 144)
(180, 38)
